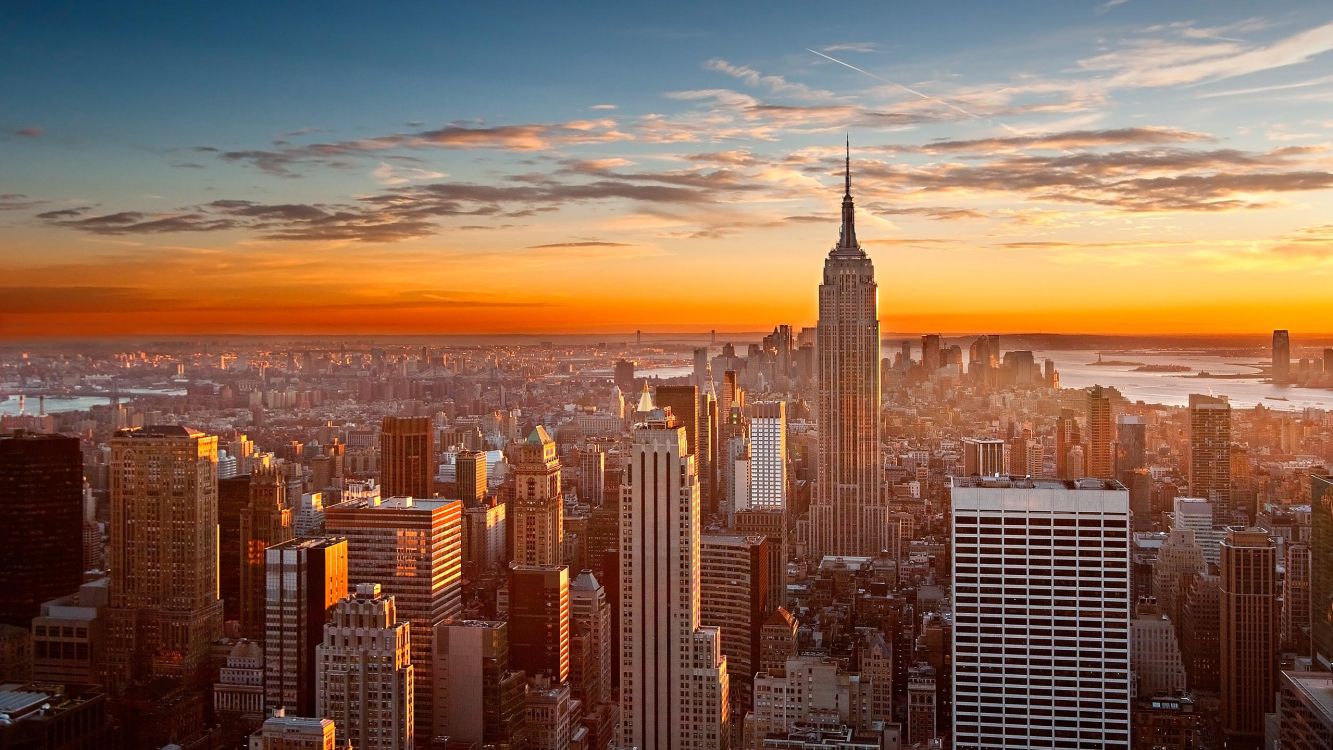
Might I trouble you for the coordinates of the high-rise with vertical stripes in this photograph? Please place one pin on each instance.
(673, 676)
(846, 503)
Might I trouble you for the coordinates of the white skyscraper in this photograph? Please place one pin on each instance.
(1041, 613)
(673, 685)
(768, 456)
(846, 503)
(1196, 514)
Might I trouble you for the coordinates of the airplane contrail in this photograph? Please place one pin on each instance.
(914, 92)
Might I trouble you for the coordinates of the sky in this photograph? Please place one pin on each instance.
(1106, 167)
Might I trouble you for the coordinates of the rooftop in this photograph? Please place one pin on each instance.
(1029, 483)
(1316, 689)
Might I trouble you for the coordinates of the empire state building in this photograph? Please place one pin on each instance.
(846, 515)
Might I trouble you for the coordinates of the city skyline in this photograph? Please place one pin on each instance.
(255, 180)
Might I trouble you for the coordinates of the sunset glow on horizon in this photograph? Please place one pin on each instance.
(1112, 168)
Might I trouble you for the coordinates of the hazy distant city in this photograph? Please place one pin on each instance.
(432, 376)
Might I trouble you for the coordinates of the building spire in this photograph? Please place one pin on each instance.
(847, 170)
(847, 235)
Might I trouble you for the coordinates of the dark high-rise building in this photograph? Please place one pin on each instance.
(683, 400)
(1198, 629)
(233, 498)
(1249, 643)
(407, 457)
(1281, 356)
(539, 620)
(41, 522)
(624, 375)
(265, 521)
(1321, 570)
(1131, 443)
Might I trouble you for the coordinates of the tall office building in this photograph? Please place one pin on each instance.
(165, 611)
(1281, 356)
(1041, 572)
(673, 682)
(470, 476)
(683, 401)
(768, 456)
(1210, 453)
(266, 520)
(1321, 570)
(847, 485)
(734, 573)
(304, 579)
(592, 475)
(539, 619)
(1248, 665)
(538, 508)
(407, 457)
(414, 550)
(482, 696)
(983, 457)
(1294, 626)
(708, 447)
(365, 672)
(590, 615)
(233, 499)
(1100, 456)
(1199, 516)
(41, 502)
(1131, 444)
(1066, 437)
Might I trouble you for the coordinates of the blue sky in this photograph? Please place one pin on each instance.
(1186, 136)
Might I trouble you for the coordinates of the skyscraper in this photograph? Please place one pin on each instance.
(1066, 437)
(365, 672)
(538, 507)
(407, 457)
(482, 696)
(539, 620)
(1210, 453)
(414, 550)
(768, 456)
(1100, 456)
(1024, 582)
(41, 499)
(847, 486)
(1249, 644)
(1321, 570)
(673, 683)
(1281, 356)
(590, 614)
(683, 401)
(265, 521)
(470, 476)
(304, 579)
(734, 573)
(165, 610)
